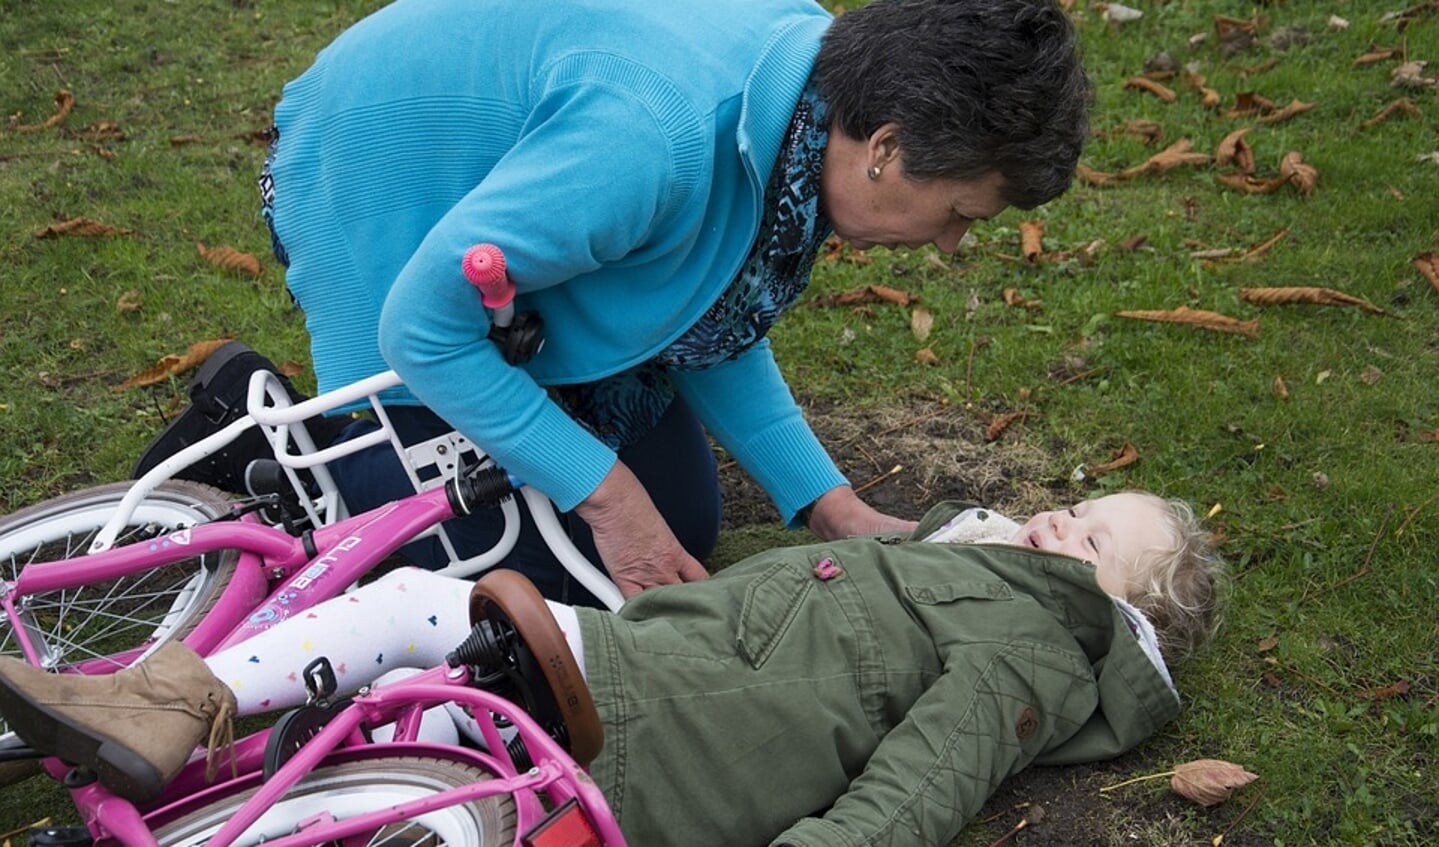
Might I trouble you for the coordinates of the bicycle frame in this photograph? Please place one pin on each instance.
(554, 777)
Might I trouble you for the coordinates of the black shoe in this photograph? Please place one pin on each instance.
(217, 398)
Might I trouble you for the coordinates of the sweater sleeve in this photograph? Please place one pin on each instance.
(539, 204)
(746, 405)
(978, 724)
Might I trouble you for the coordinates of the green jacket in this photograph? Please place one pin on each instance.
(880, 705)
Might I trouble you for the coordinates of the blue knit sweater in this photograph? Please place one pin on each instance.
(616, 150)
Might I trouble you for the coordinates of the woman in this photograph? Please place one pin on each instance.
(659, 177)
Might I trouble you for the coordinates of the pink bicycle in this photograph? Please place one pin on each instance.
(96, 579)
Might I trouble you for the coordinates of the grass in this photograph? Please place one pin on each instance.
(1326, 498)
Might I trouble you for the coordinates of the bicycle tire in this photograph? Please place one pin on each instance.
(110, 623)
(357, 787)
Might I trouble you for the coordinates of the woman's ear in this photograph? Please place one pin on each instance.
(882, 148)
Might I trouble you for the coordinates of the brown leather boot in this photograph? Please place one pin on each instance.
(135, 728)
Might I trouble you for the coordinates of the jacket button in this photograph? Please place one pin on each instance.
(1027, 725)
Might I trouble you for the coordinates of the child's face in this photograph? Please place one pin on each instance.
(1109, 531)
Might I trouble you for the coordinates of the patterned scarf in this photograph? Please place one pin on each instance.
(622, 408)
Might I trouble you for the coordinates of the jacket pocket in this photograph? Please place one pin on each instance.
(771, 604)
(948, 592)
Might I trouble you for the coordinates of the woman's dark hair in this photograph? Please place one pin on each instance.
(974, 85)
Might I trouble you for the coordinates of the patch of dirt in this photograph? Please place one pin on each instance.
(905, 459)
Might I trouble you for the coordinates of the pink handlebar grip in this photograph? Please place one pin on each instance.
(484, 267)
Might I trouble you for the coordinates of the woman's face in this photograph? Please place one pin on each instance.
(890, 210)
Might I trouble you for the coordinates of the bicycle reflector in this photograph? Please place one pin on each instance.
(566, 826)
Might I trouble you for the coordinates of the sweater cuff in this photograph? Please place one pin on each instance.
(775, 450)
(559, 457)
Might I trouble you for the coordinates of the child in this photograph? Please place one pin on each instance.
(869, 690)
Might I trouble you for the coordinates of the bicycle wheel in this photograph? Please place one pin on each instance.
(358, 787)
(101, 626)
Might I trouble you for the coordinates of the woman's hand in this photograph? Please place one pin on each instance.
(839, 513)
(635, 544)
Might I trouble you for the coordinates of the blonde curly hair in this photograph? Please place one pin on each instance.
(1181, 588)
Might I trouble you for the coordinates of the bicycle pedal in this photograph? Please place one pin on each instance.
(293, 730)
(60, 836)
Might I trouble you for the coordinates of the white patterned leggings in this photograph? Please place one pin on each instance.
(409, 618)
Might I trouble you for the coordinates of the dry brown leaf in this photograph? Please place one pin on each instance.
(1163, 92)
(1402, 106)
(1376, 55)
(1175, 155)
(100, 131)
(1121, 458)
(1281, 388)
(1031, 240)
(1385, 692)
(1294, 108)
(1233, 149)
(921, 322)
(290, 368)
(1257, 251)
(128, 302)
(1251, 184)
(1089, 176)
(926, 356)
(1267, 644)
(1287, 295)
(867, 294)
(64, 103)
(1427, 264)
(1146, 130)
(1411, 75)
(182, 140)
(1002, 422)
(230, 259)
(1249, 104)
(81, 226)
(1295, 171)
(1209, 782)
(1012, 297)
(174, 364)
(1196, 317)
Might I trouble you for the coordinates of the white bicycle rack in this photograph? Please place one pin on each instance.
(427, 464)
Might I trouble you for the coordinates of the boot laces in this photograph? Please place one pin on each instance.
(222, 739)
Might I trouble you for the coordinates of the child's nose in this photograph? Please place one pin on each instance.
(1059, 524)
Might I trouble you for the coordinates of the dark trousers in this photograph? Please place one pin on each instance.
(673, 461)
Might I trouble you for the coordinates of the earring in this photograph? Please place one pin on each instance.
(875, 171)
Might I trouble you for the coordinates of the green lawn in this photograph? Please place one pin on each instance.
(1312, 444)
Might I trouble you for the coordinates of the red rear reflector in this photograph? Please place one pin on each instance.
(566, 826)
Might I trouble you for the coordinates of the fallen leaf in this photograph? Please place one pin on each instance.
(1385, 692)
(81, 226)
(920, 323)
(926, 356)
(1267, 644)
(1119, 14)
(173, 365)
(1402, 106)
(1411, 75)
(1294, 109)
(867, 294)
(1371, 375)
(1377, 55)
(1175, 155)
(1031, 237)
(1248, 104)
(1209, 782)
(64, 103)
(1295, 171)
(1123, 457)
(1288, 295)
(128, 302)
(1012, 297)
(230, 259)
(1196, 317)
(1002, 422)
(1281, 388)
(1427, 264)
(1163, 92)
(1233, 149)
(1337, 23)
